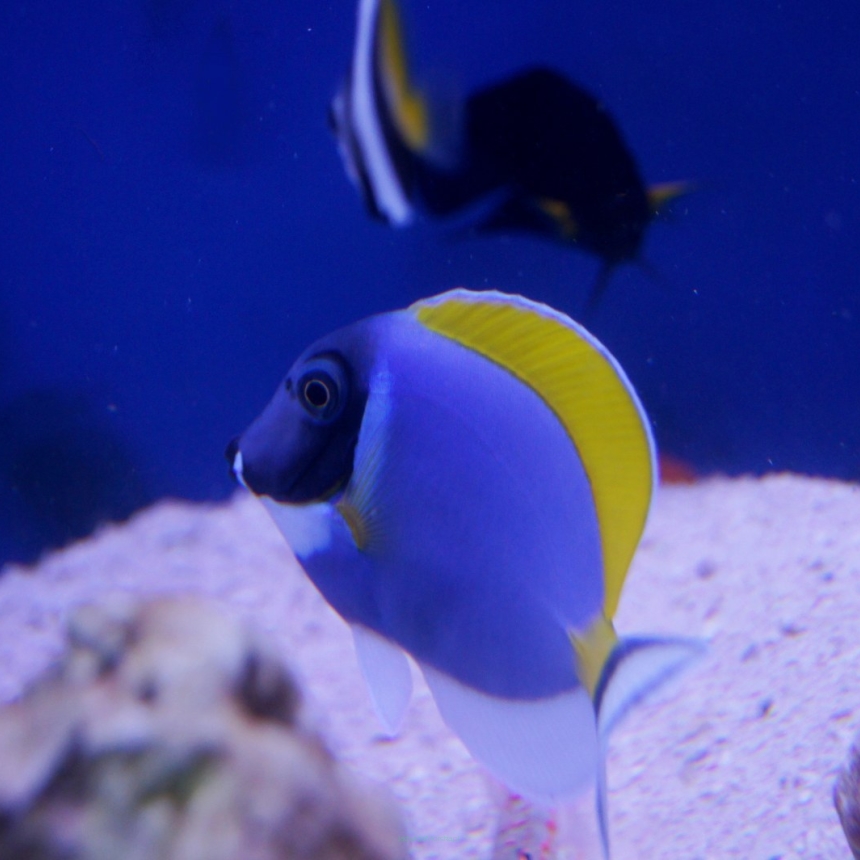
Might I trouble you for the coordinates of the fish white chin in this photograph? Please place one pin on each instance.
(238, 466)
(307, 528)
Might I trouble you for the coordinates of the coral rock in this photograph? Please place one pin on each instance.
(170, 732)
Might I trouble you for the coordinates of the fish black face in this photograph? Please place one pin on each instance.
(301, 448)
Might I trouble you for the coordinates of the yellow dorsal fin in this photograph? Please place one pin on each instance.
(407, 104)
(592, 649)
(581, 382)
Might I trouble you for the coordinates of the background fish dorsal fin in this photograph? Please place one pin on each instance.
(589, 393)
(406, 103)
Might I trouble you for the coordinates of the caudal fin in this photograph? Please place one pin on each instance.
(634, 668)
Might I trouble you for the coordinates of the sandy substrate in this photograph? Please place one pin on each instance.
(735, 759)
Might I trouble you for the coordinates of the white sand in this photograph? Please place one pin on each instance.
(735, 759)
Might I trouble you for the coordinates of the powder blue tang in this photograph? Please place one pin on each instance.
(465, 481)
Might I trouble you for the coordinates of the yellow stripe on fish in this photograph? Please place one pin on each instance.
(408, 106)
(600, 413)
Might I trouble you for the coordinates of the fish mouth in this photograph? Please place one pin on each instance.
(237, 469)
(233, 456)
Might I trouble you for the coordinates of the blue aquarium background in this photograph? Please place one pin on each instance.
(177, 225)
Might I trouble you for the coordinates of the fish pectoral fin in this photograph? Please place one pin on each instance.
(362, 505)
(387, 675)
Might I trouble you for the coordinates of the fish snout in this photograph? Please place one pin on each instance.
(261, 469)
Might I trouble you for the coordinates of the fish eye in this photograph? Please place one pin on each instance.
(321, 390)
(317, 393)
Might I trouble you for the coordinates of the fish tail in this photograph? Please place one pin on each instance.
(618, 674)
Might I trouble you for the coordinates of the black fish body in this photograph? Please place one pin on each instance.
(533, 153)
(564, 163)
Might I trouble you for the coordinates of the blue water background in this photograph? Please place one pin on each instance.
(176, 226)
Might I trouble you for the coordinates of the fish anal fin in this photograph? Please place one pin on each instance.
(387, 674)
(545, 749)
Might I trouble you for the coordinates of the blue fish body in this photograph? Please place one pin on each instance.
(465, 482)
(461, 578)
